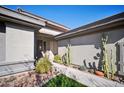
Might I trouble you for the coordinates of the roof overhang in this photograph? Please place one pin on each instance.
(90, 28)
(49, 23)
(49, 31)
(13, 16)
(56, 27)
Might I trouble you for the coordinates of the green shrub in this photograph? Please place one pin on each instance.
(63, 81)
(58, 59)
(43, 65)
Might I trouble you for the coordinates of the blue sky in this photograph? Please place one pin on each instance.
(71, 16)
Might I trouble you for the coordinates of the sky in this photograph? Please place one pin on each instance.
(71, 16)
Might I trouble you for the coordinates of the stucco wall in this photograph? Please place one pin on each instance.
(87, 47)
(2, 47)
(19, 43)
(54, 46)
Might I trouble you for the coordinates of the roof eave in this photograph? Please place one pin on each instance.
(49, 22)
(14, 20)
(13, 15)
(96, 28)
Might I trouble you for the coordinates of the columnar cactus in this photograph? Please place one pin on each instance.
(112, 65)
(69, 54)
(104, 55)
(68, 58)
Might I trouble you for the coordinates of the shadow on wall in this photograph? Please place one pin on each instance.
(91, 65)
(96, 57)
(99, 57)
(114, 35)
(117, 57)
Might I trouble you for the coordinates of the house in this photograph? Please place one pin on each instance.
(22, 38)
(24, 35)
(85, 43)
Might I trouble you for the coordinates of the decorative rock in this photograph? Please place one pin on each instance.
(50, 55)
(24, 79)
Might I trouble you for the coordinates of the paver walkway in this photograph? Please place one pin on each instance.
(86, 78)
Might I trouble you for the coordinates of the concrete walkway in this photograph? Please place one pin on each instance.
(86, 78)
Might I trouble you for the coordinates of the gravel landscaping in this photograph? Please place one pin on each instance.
(26, 79)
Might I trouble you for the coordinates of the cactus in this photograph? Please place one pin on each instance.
(112, 66)
(105, 61)
(68, 55)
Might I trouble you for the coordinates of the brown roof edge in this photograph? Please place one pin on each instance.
(16, 15)
(92, 25)
(56, 27)
(49, 23)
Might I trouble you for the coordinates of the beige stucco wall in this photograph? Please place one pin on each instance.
(54, 46)
(2, 47)
(19, 43)
(86, 47)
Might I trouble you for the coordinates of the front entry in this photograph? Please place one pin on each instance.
(44, 43)
(41, 47)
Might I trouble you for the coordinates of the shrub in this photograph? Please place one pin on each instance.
(58, 59)
(43, 65)
(63, 81)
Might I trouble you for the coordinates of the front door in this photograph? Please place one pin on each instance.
(41, 47)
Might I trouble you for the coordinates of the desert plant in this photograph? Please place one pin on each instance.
(112, 66)
(68, 55)
(43, 65)
(66, 58)
(63, 81)
(105, 61)
(58, 59)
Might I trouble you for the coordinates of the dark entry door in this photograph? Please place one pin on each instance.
(41, 46)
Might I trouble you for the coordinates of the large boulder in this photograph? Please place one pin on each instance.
(50, 55)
